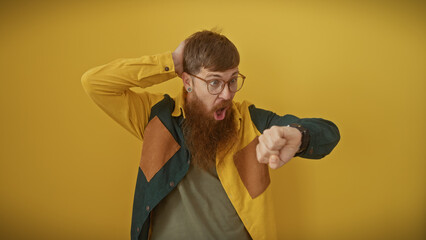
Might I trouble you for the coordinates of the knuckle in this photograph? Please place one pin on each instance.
(270, 145)
(268, 131)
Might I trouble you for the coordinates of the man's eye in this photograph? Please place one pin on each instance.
(214, 83)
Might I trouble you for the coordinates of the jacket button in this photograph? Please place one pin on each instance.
(166, 68)
(172, 184)
(147, 208)
(137, 229)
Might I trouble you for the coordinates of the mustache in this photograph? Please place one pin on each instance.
(224, 104)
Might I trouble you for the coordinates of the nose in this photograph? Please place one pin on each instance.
(226, 94)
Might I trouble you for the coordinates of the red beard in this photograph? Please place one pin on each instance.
(205, 136)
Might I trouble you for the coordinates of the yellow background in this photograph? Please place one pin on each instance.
(68, 171)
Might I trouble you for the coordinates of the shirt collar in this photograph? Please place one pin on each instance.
(179, 101)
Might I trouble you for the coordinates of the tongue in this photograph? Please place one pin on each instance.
(220, 114)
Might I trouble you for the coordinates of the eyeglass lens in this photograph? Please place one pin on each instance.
(216, 86)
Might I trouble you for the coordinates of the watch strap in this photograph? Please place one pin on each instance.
(305, 137)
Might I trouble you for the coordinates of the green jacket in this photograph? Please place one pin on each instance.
(156, 120)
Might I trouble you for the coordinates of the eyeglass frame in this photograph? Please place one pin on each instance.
(225, 83)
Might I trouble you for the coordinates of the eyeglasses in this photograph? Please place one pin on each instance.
(215, 86)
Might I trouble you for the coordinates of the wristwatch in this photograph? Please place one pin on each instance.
(305, 137)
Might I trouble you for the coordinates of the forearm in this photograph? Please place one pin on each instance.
(117, 76)
(323, 134)
(109, 87)
(323, 137)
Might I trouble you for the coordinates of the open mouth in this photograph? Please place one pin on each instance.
(220, 113)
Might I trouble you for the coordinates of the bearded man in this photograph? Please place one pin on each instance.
(203, 171)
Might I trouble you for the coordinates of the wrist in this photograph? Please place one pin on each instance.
(305, 137)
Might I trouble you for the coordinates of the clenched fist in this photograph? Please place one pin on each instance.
(277, 145)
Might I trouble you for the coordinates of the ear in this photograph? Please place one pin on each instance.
(187, 80)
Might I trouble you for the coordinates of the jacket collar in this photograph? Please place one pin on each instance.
(179, 101)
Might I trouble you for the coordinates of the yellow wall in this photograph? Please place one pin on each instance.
(68, 171)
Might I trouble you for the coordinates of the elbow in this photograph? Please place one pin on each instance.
(332, 139)
(333, 134)
(87, 82)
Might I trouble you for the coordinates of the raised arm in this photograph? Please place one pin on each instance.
(109, 87)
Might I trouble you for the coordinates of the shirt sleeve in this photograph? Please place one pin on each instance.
(324, 134)
(109, 87)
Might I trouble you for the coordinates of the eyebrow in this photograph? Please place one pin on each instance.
(219, 76)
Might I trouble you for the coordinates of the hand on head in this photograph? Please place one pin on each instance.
(178, 58)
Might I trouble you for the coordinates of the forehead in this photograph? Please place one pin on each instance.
(227, 73)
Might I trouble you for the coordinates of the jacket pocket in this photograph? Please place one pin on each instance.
(254, 175)
(158, 147)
